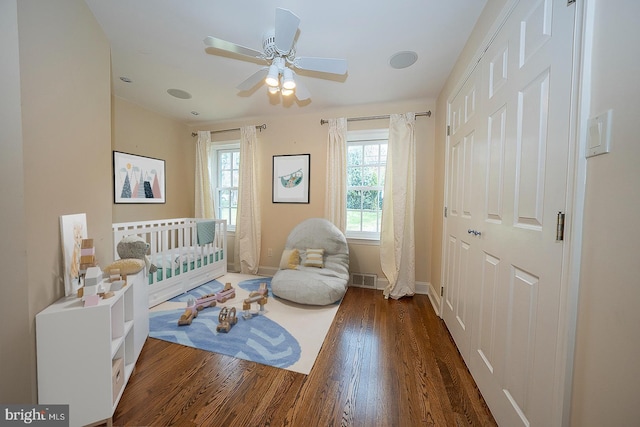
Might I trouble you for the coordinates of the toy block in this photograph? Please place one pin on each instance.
(87, 259)
(90, 300)
(93, 276)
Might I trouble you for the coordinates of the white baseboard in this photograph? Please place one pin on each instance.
(435, 298)
(267, 271)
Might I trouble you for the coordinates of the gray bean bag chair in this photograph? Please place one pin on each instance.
(315, 264)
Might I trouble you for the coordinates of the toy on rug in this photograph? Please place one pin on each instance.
(227, 319)
(194, 306)
(260, 296)
(227, 293)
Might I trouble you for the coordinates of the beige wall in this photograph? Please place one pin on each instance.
(606, 373)
(15, 322)
(142, 132)
(302, 134)
(59, 164)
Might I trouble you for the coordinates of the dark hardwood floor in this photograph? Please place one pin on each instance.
(383, 363)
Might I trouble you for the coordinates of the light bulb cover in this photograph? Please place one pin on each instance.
(288, 83)
(273, 90)
(273, 77)
(287, 92)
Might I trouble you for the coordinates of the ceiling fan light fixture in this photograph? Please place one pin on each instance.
(273, 77)
(279, 54)
(288, 83)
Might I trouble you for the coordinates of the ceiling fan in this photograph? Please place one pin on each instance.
(280, 56)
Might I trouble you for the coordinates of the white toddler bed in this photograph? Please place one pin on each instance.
(186, 251)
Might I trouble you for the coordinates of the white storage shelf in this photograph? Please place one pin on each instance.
(77, 347)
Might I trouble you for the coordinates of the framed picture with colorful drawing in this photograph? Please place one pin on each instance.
(138, 179)
(291, 173)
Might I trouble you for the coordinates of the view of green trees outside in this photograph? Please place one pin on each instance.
(228, 176)
(365, 184)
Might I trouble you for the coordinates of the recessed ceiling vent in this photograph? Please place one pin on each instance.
(178, 93)
(403, 59)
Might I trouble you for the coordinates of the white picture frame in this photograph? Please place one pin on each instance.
(73, 229)
(138, 179)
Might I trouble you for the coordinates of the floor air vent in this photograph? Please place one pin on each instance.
(363, 280)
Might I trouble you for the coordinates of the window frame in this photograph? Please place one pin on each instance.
(214, 159)
(361, 137)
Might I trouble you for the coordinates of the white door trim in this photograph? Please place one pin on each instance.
(580, 102)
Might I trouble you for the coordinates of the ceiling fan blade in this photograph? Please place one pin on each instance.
(254, 79)
(231, 47)
(324, 65)
(302, 93)
(285, 32)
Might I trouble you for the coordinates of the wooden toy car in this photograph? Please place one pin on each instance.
(227, 319)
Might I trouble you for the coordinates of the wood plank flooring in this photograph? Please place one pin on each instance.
(383, 363)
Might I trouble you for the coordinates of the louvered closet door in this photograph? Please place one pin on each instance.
(514, 286)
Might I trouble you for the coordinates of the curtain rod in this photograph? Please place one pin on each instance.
(357, 119)
(259, 127)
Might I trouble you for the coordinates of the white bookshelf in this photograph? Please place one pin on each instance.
(77, 347)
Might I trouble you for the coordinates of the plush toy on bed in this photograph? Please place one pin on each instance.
(133, 257)
(135, 247)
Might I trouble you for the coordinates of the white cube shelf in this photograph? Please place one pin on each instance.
(78, 348)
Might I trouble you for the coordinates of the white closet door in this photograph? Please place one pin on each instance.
(464, 188)
(513, 288)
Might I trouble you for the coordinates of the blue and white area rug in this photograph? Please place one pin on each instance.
(285, 335)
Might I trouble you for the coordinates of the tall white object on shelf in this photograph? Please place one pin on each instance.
(73, 228)
(87, 354)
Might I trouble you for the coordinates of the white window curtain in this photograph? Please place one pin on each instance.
(205, 201)
(397, 240)
(248, 237)
(335, 206)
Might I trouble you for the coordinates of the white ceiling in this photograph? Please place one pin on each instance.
(158, 44)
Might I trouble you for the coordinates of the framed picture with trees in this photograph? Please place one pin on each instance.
(138, 179)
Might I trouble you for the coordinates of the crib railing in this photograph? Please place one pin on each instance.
(175, 250)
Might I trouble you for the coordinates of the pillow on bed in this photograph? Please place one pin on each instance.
(290, 259)
(314, 258)
(126, 266)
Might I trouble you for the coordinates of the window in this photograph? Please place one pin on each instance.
(227, 167)
(366, 163)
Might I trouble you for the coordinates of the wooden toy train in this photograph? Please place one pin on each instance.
(209, 300)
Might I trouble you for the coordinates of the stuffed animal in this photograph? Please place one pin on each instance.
(124, 267)
(135, 247)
